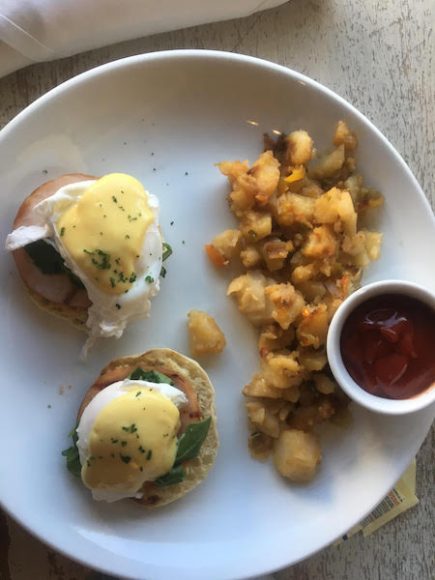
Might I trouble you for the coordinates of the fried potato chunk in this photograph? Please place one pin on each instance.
(299, 148)
(286, 301)
(250, 293)
(223, 248)
(296, 455)
(205, 336)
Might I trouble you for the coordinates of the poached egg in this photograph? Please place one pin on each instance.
(127, 435)
(107, 232)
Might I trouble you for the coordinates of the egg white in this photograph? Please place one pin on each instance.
(90, 415)
(105, 319)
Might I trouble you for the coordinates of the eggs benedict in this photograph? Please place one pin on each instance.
(90, 249)
(146, 429)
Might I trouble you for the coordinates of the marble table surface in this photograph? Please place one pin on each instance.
(377, 54)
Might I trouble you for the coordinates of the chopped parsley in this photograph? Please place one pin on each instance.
(99, 258)
(167, 251)
(130, 429)
(149, 454)
(125, 458)
(62, 232)
(149, 279)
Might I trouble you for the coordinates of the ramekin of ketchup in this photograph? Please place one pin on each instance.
(381, 346)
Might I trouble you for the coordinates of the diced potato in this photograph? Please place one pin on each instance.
(258, 387)
(223, 247)
(204, 334)
(266, 174)
(321, 243)
(249, 291)
(233, 169)
(296, 455)
(311, 359)
(344, 136)
(281, 370)
(312, 290)
(335, 207)
(275, 252)
(263, 419)
(250, 257)
(292, 208)
(313, 328)
(304, 273)
(256, 225)
(287, 303)
(329, 164)
(324, 384)
(363, 247)
(273, 337)
(299, 148)
(260, 445)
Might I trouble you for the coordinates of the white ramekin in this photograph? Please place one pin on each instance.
(342, 376)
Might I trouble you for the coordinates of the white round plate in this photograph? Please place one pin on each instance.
(167, 118)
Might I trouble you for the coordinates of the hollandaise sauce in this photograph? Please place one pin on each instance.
(104, 231)
(133, 439)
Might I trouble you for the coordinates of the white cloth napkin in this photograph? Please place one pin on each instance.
(38, 30)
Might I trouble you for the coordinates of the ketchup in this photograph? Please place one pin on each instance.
(388, 346)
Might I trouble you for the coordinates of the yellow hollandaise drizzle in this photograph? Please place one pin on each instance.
(133, 439)
(104, 231)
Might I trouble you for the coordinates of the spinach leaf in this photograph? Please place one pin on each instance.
(47, 259)
(176, 475)
(72, 455)
(167, 251)
(191, 441)
(151, 376)
(188, 448)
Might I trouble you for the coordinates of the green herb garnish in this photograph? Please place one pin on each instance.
(167, 251)
(125, 458)
(149, 279)
(150, 376)
(72, 455)
(176, 475)
(99, 258)
(131, 428)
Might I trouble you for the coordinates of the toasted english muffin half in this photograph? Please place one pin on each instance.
(188, 376)
(55, 293)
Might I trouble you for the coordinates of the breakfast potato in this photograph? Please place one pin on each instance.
(282, 370)
(329, 165)
(224, 247)
(249, 291)
(287, 303)
(296, 455)
(303, 243)
(299, 148)
(205, 336)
